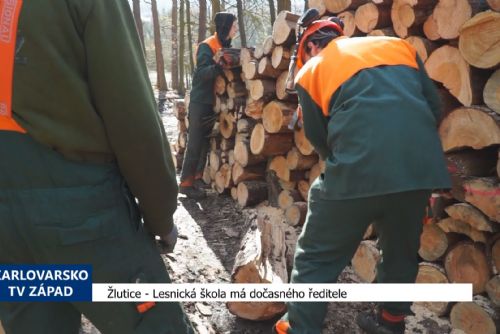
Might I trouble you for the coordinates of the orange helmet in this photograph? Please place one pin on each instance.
(311, 29)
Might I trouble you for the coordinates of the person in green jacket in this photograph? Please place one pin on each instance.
(201, 103)
(87, 177)
(371, 112)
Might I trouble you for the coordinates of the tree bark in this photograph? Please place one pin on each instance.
(266, 144)
(248, 173)
(297, 161)
(161, 82)
(266, 69)
(244, 157)
(190, 36)
(277, 115)
(272, 11)
(261, 89)
(202, 23)
(136, 7)
(241, 23)
(182, 43)
(284, 28)
(251, 192)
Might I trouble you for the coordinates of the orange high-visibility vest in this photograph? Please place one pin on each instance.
(9, 17)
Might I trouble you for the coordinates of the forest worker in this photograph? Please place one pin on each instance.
(371, 113)
(80, 141)
(201, 103)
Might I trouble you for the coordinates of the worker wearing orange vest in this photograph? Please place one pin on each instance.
(86, 174)
(371, 112)
(201, 103)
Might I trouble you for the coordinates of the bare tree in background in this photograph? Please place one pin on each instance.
(190, 36)
(174, 68)
(272, 11)
(284, 5)
(241, 23)
(161, 82)
(182, 44)
(136, 8)
(306, 5)
(202, 23)
(215, 9)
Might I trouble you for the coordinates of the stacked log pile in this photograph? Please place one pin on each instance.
(256, 157)
(459, 43)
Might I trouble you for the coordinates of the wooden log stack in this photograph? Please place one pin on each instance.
(459, 43)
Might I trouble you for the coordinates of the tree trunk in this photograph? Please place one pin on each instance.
(284, 5)
(297, 161)
(227, 125)
(241, 23)
(261, 89)
(365, 260)
(432, 273)
(266, 69)
(202, 23)
(302, 143)
(491, 92)
(281, 92)
(161, 82)
(182, 43)
(469, 127)
(216, 7)
(254, 108)
(190, 36)
(479, 40)
(296, 214)
(244, 157)
(266, 144)
(248, 173)
(223, 179)
(471, 216)
(272, 11)
(280, 58)
(433, 242)
(251, 192)
(276, 116)
(174, 65)
(284, 28)
(261, 259)
(466, 263)
(136, 5)
(371, 16)
(473, 317)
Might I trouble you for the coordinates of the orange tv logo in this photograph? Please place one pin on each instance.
(8, 11)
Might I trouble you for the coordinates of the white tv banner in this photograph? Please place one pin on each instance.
(225, 292)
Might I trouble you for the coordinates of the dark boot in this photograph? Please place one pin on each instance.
(192, 192)
(373, 323)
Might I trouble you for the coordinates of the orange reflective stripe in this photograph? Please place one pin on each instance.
(322, 75)
(213, 43)
(391, 317)
(282, 327)
(144, 307)
(9, 17)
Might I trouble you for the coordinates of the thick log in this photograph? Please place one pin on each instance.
(182, 140)
(227, 124)
(433, 242)
(337, 6)
(246, 55)
(179, 107)
(297, 161)
(251, 70)
(261, 259)
(471, 216)
(432, 273)
(493, 290)
(296, 214)
(281, 92)
(495, 256)
(450, 15)
(284, 28)
(215, 159)
(266, 144)
(233, 74)
(220, 85)
(227, 144)
(279, 165)
(473, 162)
(251, 193)
(244, 157)
(423, 46)
(316, 171)
(371, 16)
(484, 194)
(274, 188)
(261, 89)
(408, 17)
(268, 46)
(365, 260)
(430, 28)
(245, 125)
(234, 193)
(450, 225)
(472, 318)
(287, 197)
(248, 173)
(469, 127)
(277, 115)
(389, 31)
(181, 126)
(479, 40)
(319, 5)
(494, 4)
(206, 175)
(303, 187)
(466, 83)
(266, 69)
(259, 52)
(302, 143)
(467, 263)
(350, 28)
(223, 179)
(236, 89)
(491, 92)
(215, 143)
(280, 58)
(254, 108)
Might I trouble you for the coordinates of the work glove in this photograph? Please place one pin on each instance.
(167, 242)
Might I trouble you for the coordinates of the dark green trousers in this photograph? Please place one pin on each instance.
(54, 211)
(332, 233)
(201, 122)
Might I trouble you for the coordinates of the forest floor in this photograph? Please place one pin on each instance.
(210, 232)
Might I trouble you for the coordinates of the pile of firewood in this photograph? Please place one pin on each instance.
(256, 157)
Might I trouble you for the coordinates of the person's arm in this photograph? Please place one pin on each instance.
(122, 95)
(430, 92)
(315, 123)
(206, 67)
